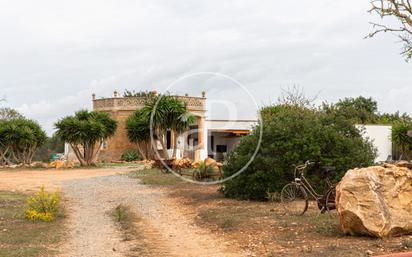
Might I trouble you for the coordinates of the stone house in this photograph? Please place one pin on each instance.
(213, 138)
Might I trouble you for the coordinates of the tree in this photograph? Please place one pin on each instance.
(52, 145)
(359, 110)
(19, 140)
(166, 113)
(133, 93)
(138, 132)
(400, 137)
(392, 118)
(85, 132)
(169, 113)
(400, 11)
(291, 135)
(9, 114)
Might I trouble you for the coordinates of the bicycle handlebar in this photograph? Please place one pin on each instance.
(301, 168)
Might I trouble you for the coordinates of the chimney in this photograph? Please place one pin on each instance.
(203, 94)
(93, 96)
(115, 94)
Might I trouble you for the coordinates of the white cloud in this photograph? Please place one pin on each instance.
(54, 55)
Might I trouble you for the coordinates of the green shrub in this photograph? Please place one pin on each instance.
(130, 155)
(292, 135)
(400, 137)
(43, 206)
(204, 170)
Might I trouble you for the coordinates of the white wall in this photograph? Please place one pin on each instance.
(381, 138)
(219, 125)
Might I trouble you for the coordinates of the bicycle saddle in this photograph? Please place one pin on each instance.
(328, 169)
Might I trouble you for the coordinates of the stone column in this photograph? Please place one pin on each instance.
(200, 139)
(201, 127)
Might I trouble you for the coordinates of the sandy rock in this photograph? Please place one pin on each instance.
(14, 166)
(58, 164)
(404, 164)
(182, 163)
(39, 165)
(210, 161)
(376, 201)
(196, 165)
(148, 164)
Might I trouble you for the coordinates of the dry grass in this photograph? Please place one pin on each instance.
(136, 230)
(19, 237)
(155, 177)
(263, 228)
(125, 218)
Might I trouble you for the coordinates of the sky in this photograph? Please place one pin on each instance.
(55, 54)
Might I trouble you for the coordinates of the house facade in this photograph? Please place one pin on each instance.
(205, 138)
(213, 138)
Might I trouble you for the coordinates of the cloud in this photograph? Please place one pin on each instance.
(53, 56)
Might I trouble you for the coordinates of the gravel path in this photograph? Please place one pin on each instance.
(167, 231)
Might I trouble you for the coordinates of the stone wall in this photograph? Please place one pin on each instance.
(120, 108)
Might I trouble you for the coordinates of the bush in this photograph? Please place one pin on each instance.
(400, 137)
(130, 155)
(43, 206)
(292, 135)
(204, 170)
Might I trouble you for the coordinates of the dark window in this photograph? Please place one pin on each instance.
(169, 139)
(221, 148)
(212, 143)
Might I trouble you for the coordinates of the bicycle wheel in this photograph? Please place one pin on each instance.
(330, 199)
(294, 199)
(197, 175)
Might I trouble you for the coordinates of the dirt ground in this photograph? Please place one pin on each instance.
(52, 179)
(263, 229)
(90, 194)
(183, 219)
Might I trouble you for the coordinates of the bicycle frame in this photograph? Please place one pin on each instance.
(301, 180)
(325, 202)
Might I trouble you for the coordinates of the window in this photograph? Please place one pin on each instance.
(104, 145)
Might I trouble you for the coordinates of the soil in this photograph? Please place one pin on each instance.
(181, 219)
(90, 195)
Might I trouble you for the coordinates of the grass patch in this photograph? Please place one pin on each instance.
(155, 177)
(406, 243)
(125, 218)
(23, 238)
(227, 217)
(325, 224)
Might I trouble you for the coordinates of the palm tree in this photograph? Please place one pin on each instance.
(85, 132)
(138, 131)
(400, 137)
(181, 124)
(166, 113)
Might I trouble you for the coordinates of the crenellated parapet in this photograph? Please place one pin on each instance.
(194, 104)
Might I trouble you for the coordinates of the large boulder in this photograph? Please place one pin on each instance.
(208, 162)
(376, 201)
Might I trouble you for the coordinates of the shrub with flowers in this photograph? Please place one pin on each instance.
(43, 206)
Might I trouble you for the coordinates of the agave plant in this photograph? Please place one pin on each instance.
(203, 171)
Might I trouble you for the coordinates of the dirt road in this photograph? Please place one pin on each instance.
(91, 194)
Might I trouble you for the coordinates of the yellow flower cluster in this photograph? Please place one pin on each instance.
(43, 206)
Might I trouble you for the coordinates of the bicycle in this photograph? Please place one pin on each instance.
(294, 196)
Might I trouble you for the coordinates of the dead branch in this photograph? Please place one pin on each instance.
(400, 10)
